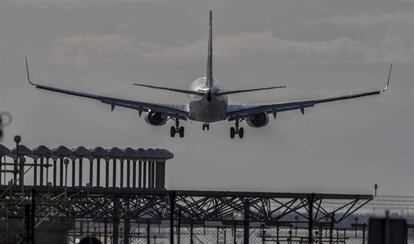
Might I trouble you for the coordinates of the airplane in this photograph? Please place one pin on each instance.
(208, 102)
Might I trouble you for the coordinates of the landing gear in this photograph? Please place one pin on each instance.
(206, 126)
(177, 129)
(237, 130)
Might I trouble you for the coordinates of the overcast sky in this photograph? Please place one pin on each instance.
(317, 48)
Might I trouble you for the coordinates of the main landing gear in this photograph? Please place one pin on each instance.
(206, 126)
(177, 129)
(237, 130)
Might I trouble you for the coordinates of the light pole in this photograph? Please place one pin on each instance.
(17, 139)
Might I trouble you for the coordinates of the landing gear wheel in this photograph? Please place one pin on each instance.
(177, 129)
(181, 132)
(173, 131)
(241, 133)
(237, 130)
(232, 132)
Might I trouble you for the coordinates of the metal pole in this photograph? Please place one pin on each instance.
(41, 170)
(127, 229)
(246, 221)
(148, 232)
(234, 232)
(191, 233)
(1, 167)
(179, 228)
(144, 175)
(277, 233)
(66, 162)
(311, 199)
(80, 170)
(387, 228)
(91, 171)
(364, 226)
(27, 222)
(172, 210)
(34, 172)
(331, 228)
(263, 234)
(134, 174)
(106, 173)
(73, 171)
(114, 172)
(115, 221)
(106, 231)
(140, 174)
(32, 217)
(17, 139)
(121, 180)
(128, 172)
(98, 172)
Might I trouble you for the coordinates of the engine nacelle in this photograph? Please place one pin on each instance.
(156, 118)
(258, 120)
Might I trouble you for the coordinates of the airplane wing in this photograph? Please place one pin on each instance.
(175, 111)
(243, 111)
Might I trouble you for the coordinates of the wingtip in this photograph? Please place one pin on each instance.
(388, 81)
(28, 73)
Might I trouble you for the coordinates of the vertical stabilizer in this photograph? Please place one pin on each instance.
(209, 82)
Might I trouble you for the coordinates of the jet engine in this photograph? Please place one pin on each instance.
(156, 118)
(258, 120)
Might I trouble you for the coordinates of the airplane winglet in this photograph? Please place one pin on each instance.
(388, 81)
(28, 74)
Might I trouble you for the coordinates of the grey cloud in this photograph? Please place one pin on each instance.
(244, 44)
(85, 50)
(366, 20)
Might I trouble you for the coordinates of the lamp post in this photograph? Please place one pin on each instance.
(17, 139)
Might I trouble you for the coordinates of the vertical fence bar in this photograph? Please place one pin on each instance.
(41, 170)
(90, 171)
(73, 161)
(61, 172)
(134, 174)
(140, 174)
(128, 172)
(106, 173)
(144, 175)
(98, 172)
(34, 171)
(80, 170)
(121, 179)
(54, 172)
(114, 172)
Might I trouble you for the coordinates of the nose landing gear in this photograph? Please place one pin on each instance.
(177, 129)
(237, 130)
(206, 126)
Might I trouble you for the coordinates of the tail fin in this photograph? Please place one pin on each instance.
(209, 81)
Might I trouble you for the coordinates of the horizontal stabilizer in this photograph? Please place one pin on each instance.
(171, 89)
(222, 93)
